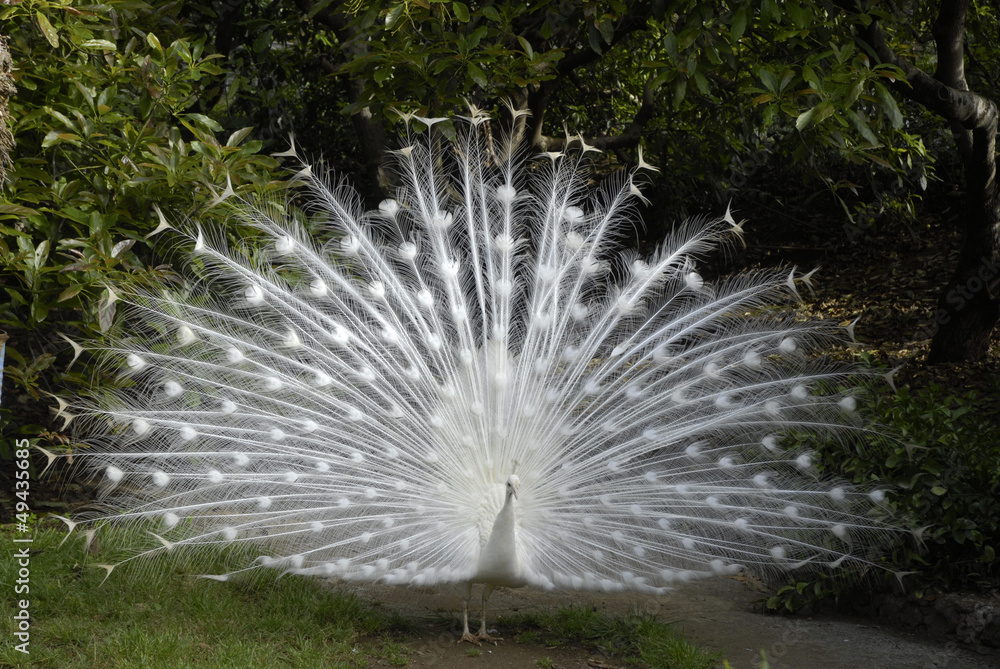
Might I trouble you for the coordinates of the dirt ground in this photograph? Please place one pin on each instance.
(719, 614)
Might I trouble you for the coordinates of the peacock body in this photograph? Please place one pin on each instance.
(469, 384)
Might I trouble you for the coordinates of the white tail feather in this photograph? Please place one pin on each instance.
(355, 409)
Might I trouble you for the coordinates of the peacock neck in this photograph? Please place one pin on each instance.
(498, 563)
(506, 517)
(504, 526)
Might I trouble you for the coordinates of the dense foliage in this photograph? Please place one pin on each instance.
(108, 141)
(945, 476)
(718, 91)
(131, 114)
(941, 480)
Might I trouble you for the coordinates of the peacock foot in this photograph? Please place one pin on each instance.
(467, 636)
(483, 636)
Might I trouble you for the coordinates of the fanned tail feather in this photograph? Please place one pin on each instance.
(352, 409)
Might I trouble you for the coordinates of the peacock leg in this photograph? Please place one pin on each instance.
(466, 636)
(482, 635)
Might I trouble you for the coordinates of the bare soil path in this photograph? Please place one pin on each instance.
(721, 615)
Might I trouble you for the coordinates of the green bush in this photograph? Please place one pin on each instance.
(947, 479)
(113, 134)
(942, 479)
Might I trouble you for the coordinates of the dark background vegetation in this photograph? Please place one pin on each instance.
(859, 137)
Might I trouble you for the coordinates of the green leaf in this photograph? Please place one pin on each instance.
(889, 106)
(845, 52)
(70, 292)
(106, 308)
(687, 38)
(53, 137)
(809, 76)
(768, 78)
(670, 44)
(475, 38)
(47, 30)
(861, 127)
(121, 247)
(814, 115)
(701, 83)
(394, 15)
(663, 77)
(607, 30)
(153, 42)
(800, 15)
(526, 45)
(853, 92)
(739, 24)
(7, 208)
(786, 79)
(680, 89)
(478, 75)
(594, 38)
(461, 11)
(39, 310)
(16, 299)
(59, 116)
(99, 44)
(41, 254)
(239, 136)
(205, 122)
(938, 490)
(318, 7)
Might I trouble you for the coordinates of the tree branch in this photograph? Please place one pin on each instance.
(965, 329)
(973, 117)
(965, 110)
(330, 17)
(949, 32)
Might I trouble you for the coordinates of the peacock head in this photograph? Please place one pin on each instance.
(512, 485)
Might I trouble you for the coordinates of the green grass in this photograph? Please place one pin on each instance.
(164, 617)
(637, 639)
(159, 614)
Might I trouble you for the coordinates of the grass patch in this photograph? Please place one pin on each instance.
(159, 614)
(162, 617)
(636, 639)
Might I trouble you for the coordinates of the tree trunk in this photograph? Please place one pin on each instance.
(7, 89)
(967, 311)
(969, 306)
(371, 138)
(372, 142)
